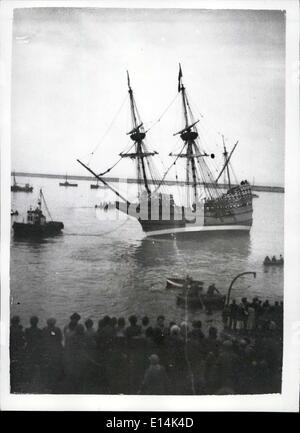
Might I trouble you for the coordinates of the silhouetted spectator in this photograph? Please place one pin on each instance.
(16, 349)
(233, 315)
(120, 329)
(159, 330)
(69, 330)
(147, 330)
(155, 380)
(52, 355)
(196, 332)
(133, 330)
(33, 350)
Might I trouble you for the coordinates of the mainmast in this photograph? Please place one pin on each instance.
(188, 134)
(137, 135)
(225, 153)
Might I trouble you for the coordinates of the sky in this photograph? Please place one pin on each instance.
(69, 81)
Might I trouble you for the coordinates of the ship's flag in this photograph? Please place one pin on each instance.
(179, 78)
(128, 79)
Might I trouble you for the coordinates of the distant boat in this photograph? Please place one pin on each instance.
(273, 262)
(97, 186)
(14, 213)
(67, 183)
(36, 224)
(20, 188)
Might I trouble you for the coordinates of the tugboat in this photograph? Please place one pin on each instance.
(36, 224)
(67, 183)
(205, 207)
(20, 188)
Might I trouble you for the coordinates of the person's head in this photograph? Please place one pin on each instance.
(15, 320)
(213, 332)
(51, 322)
(197, 324)
(184, 327)
(133, 320)
(175, 331)
(106, 321)
(160, 320)
(121, 322)
(89, 324)
(276, 304)
(154, 359)
(114, 321)
(34, 321)
(145, 321)
(75, 317)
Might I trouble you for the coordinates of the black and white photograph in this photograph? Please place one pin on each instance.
(151, 176)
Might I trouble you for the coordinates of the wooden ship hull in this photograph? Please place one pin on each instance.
(50, 228)
(232, 212)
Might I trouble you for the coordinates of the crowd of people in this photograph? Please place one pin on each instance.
(249, 317)
(140, 357)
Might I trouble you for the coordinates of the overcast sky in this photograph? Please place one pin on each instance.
(69, 80)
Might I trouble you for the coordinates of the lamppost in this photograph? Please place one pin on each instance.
(233, 281)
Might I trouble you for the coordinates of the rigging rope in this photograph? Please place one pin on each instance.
(162, 115)
(109, 169)
(107, 130)
(173, 163)
(46, 207)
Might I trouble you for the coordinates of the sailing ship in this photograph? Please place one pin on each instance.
(67, 183)
(20, 188)
(36, 224)
(207, 208)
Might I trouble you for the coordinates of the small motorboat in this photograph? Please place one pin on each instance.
(67, 183)
(193, 294)
(14, 213)
(36, 224)
(276, 262)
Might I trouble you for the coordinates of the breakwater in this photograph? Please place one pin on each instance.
(265, 188)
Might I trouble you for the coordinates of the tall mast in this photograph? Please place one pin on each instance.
(137, 134)
(227, 165)
(188, 136)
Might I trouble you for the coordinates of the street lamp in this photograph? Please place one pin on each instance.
(233, 281)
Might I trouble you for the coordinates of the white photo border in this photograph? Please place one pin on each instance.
(288, 400)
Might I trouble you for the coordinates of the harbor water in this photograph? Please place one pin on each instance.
(103, 263)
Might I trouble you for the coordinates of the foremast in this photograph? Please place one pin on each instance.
(138, 135)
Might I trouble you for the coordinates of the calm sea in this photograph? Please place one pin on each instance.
(103, 265)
